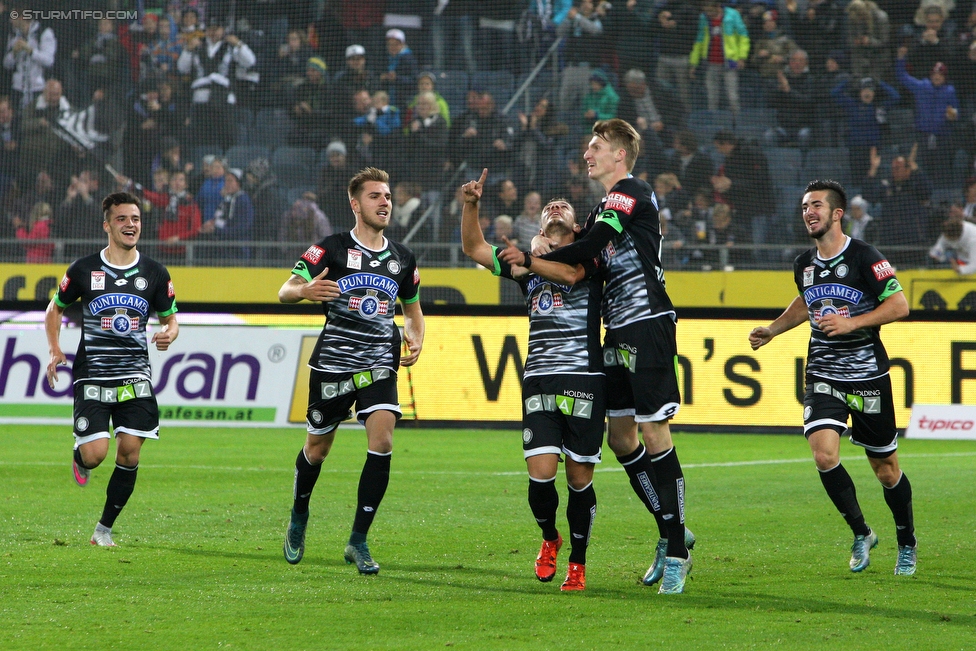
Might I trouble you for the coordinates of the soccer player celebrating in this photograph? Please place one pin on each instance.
(563, 399)
(640, 350)
(118, 287)
(848, 290)
(357, 276)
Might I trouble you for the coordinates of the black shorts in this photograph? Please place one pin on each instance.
(565, 414)
(131, 405)
(640, 361)
(870, 405)
(331, 397)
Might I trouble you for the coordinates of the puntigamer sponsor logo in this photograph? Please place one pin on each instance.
(832, 290)
(112, 301)
(368, 281)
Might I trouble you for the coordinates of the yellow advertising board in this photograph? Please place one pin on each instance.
(924, 288)
(470, 370)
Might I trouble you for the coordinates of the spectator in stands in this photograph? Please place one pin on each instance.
(426, 143)
(722, 45)
(857, 220)
(692, 167)
(453, 28)
(40, 190)
(305, 222)
(267, 197)
(628, 29)
(354, 77)
(904, 197)
(426, 84)
(964, 76)
(313, 110)
(401, 68)
(529, 222)
(291, 62)
(380, 134)
(170, 157)
(582, 30)
(743, 182)
(867, 39)
(792, 96)
(102, 62)
(936, 111)
(37, 228)
(816, 29)
(209, 195)
(866, 116)
(79, 217)
(932, 39)
(676, 27)
(772, 49)
(637, 107)
(190, 26)
(30, 54)
(150, 119)
(9, 144)
(211, 62)
(503, 227)
(536, 157)
(234, 218)
(333, 186)
(969, 201)
(482, 136)
(177, 216)
(407, 203)
(956, 246)
(601, 102)
(665, 187)
(503, 201)
(40, 145)
(157, 48)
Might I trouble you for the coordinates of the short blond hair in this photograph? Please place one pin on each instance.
(620, 134)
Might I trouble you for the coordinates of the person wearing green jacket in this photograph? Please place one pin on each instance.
(602, 100)
(723, 57)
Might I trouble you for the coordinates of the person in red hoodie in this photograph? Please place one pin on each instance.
(180, 217)
(38, 228)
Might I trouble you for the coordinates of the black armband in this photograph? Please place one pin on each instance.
(526, 259)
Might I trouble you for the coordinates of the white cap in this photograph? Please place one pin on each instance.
(397, 34)
(355, 51)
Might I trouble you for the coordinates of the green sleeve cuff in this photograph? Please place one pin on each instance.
(172, 310)
(408, 301)
(497, 269)
(57, 300)
(610, 218)
(893, 287)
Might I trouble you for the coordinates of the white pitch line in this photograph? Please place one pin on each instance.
(614, 468)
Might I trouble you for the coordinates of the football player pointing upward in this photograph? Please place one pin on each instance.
(357, 276)
(848, 290)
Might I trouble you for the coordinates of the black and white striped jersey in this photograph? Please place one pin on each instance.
(359, 331)
(852, 283)
(564, 322)
(635, 286)
(116, 303)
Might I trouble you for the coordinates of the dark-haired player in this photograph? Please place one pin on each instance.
(640, 349)
(118, 288)
(848, 290)
(357, 276)
(563, 388)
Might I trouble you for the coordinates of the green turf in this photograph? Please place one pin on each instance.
(199, 564)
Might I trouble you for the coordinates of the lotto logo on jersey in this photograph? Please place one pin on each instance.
(882, 270)
(170, 292)
(64, 283)
(313, 254)
(97, 280)
(620, 201)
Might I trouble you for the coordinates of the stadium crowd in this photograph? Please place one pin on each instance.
(239, 123)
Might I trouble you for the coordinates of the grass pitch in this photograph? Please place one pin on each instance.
(200, 566)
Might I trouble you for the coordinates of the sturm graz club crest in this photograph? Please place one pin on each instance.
(827, 307)
(546, 300)
(369, 305)
(120, 323)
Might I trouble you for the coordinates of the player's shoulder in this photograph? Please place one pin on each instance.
(401, 250)
(86, 263)
(629, 195)
(805, 259)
